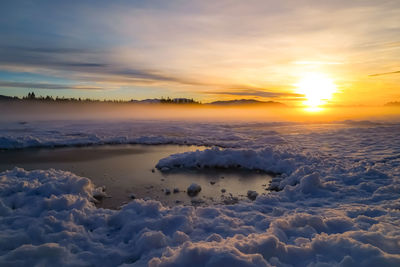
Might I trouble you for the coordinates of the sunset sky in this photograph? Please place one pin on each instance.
(207, 50)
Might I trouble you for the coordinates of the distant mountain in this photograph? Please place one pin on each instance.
(393, 104)
(6, 98)
(165, 101)
(147, 101)
(238, 102)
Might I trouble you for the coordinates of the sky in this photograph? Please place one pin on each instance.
(206, 50)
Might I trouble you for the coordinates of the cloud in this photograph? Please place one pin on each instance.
(317, 63)
(8, 84)
(256, 93)
(49, 57)
(78, 63)
(56, 50)
(384, 73)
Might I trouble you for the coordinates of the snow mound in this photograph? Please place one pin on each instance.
(270, 159)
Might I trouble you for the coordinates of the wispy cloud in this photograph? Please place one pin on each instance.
(255, 93)
(31, 86)
(385, 73)
(320, 63)
(80, 63)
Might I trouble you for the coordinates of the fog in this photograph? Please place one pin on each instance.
(28, 111)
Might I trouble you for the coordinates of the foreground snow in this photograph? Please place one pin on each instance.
(339, 202)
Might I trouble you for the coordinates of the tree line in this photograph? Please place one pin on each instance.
(32, 97)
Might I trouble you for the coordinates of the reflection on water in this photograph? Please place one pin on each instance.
(129, 169)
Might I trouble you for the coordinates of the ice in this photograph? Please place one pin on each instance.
(337, 204)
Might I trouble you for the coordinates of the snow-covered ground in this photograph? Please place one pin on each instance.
(338, 204)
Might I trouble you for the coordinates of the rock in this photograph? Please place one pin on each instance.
(252, 195)
(132, 196)
(176, 190)
(276, 180)
(273, 187)
(212, 182)
(99, 197)
(197, 201)
(152, 170)
(167, 191)
(223, 190)
(193, 189)
(230, 200)
(99, 193)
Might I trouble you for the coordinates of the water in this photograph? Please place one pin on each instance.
(130, 169)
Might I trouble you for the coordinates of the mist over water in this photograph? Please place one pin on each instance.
(28, 111)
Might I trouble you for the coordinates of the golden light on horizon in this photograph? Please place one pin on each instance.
(317, 88)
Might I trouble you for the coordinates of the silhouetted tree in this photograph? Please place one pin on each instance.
(31, 95)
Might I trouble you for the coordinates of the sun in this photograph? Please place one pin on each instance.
(317, 88)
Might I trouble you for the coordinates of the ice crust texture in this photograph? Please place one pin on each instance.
(339, 202)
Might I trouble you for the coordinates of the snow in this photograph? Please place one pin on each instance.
(338, 199)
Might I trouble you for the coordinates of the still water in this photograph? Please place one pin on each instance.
(130, 169)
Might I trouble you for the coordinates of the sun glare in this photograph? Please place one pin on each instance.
(317, 89)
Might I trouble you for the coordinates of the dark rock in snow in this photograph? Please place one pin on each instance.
(193, 189)
(252, 195)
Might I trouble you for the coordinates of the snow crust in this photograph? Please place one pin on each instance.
(338, 204)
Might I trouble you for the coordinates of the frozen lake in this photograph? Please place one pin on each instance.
(130, 169)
